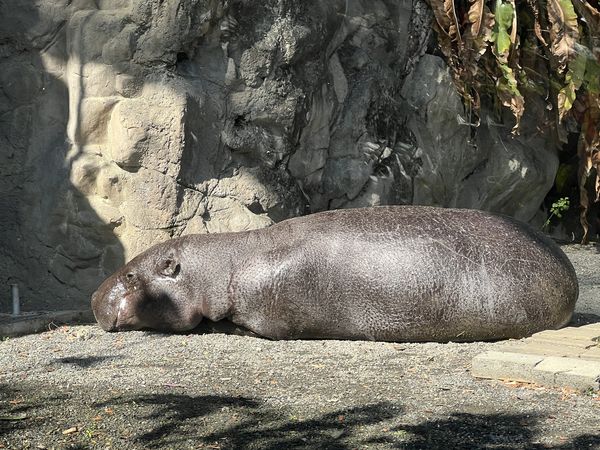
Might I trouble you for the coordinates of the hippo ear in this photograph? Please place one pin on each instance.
(170, 267)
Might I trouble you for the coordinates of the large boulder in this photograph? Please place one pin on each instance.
(127, 122)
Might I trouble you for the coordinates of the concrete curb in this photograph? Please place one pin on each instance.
(556, 358)
(28, 323)
(553, 371)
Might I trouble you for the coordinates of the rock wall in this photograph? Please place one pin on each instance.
(126, 122)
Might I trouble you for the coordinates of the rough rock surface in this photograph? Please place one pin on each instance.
(126, 122)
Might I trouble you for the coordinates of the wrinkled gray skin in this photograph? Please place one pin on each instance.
(402, 273)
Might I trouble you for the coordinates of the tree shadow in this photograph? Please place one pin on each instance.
(231, 423)
(174, 420)
(172, 410)
(86, 362)
(595, 246)
(255, 423)
(479, 431)
(16, 412)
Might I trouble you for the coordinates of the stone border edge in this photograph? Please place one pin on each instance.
(42, 321)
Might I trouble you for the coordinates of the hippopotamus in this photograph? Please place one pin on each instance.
(395, 273)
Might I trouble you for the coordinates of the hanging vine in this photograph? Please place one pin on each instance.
(481, 41)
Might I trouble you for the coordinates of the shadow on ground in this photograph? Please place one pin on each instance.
(249, 423)
(172, 420)
(16, 413)
(87, 361)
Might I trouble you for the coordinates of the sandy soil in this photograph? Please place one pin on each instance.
(80, 388)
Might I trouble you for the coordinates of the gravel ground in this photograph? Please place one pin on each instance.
(78, 387)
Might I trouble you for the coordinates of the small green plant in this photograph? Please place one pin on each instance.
(90, 432)
(590, 392)
(558, 208)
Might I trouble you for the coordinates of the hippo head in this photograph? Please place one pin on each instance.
(148, 292)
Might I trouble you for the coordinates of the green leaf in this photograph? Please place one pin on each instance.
(563, 174)
(568, 10)
(560, 206)
(592, 76)
(504, 17)
(574, 79)
(509, 94)
(564, 31)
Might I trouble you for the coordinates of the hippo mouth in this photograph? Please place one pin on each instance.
(116, 324)
(116, 310)
(119, 323)
(123, 327)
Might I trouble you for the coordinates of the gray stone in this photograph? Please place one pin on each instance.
(128, 85)
(20, 82)
(496, 171)
(121, 47)
(505, 366)
(124, 123)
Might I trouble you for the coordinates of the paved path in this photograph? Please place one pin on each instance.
(563, 358)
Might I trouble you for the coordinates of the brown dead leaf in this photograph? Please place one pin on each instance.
(521, 384)
(513, 29)
(439, 13)
(537, 27)
(590, 15)
(442, 26)
(476, 16)
(454, 28)
(477, 36)
(568, 392)
(564, 31)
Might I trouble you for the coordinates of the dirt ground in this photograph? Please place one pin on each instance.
(81, 388)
